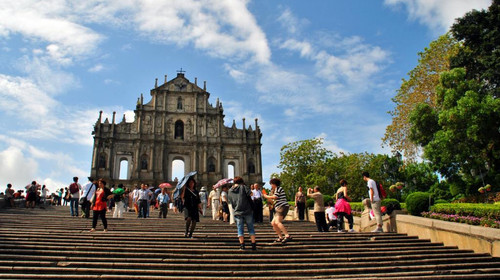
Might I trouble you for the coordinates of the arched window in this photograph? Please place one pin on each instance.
(144, 162)
(251, 167)
(123, 169)
(177, 169)
(179, 130)
(101, 161)
(230, 170)
(211, 164)
(179, 103)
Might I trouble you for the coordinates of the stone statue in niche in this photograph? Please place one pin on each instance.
(144, 164)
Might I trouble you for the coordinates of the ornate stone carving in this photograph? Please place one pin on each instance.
(150, 156)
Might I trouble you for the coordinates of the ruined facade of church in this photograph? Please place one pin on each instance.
(177, 124)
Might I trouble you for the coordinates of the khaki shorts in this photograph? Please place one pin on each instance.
(282, 210)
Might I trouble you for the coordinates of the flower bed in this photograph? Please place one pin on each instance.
(487, 215)
(471, 220)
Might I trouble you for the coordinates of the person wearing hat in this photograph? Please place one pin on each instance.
(214, 201)
(87, 192)
(203, 199)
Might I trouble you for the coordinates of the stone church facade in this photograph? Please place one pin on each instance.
(177, 124)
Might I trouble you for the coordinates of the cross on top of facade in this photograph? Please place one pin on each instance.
(181, 71)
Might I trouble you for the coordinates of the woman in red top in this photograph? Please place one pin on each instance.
(99, 204)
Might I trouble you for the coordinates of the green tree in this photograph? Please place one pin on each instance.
(419, 177)
(464, 137)
(419, 88)
(300, 162)
(479, 32)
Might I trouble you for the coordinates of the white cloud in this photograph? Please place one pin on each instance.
(438, 15)
(96, 68)
(49, 21)
(224, 29)
(17, 169)
(291, 23)
(329, 144)
(237, 111)
(238, 75)
(23, 99)
(22, 162)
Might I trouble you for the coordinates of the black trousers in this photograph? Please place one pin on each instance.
(86, 209)
(320, 219)
(163, 210)
(340, 220)
(96, 216)
(143, 208)
(301, 208)
(257, 210)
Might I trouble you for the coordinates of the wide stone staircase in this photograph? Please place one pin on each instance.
(50, 244)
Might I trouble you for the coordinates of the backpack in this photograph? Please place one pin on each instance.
(381, 192)
(32, 188)
(73, 188)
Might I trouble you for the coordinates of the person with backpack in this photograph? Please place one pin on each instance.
(87, 193)
(74, 194)
(375, 200)
(239, 196)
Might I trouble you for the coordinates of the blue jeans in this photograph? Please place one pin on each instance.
(73, 206)
(240, 224)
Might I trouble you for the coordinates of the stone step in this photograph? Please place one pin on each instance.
(49, 244)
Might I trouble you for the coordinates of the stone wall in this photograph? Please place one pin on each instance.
(477, 238)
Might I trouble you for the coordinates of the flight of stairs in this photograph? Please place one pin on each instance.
(50, 244)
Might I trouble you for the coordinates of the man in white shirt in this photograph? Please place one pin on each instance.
(143, 196)
(214, 201)
(87, 192)
(375, 201)
(257, 203)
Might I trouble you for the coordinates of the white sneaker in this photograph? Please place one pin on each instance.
(378, 229)
(352, 230)
(340, 230)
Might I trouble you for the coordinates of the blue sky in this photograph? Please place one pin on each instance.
(305, 69)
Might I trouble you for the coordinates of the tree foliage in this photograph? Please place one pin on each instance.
(307, 164)
(419, 88)
(479, 31)
(465, 136)
(300, 161)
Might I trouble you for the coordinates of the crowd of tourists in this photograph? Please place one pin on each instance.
(233, 202)
(334, 216)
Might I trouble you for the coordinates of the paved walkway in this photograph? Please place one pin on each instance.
(50, 244)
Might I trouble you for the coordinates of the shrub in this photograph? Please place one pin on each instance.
(391, 205)
(327, 198)
(490, 211)
(418, 202)
(310, 203)
(440, 201)
(357, 206)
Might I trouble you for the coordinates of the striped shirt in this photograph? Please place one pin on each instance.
(281, 197)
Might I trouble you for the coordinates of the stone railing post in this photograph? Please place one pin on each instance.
(365, 216)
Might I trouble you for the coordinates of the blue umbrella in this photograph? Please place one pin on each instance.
(182, 182)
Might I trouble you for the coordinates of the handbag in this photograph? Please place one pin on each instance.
(83, 200)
